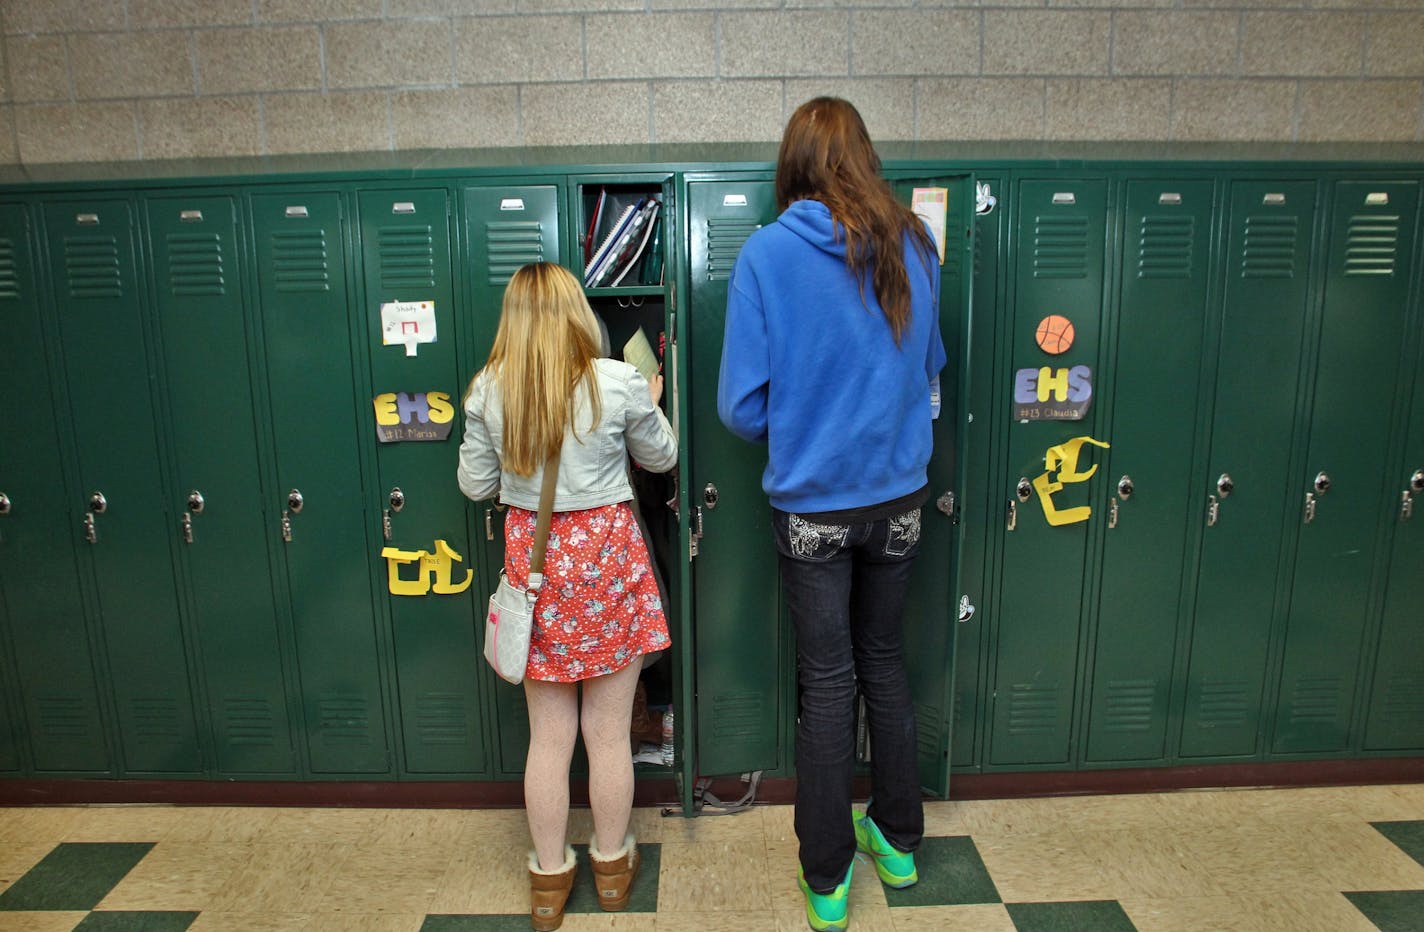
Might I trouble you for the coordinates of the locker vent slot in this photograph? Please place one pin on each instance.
(344, 721)
(929, 741)
(1372, 245)
(1129, 705)
(1033, 709)
(736, 715)
(249, 722)
(440, 719)
(724, 242)
(299, 261)
(195, 265)
(155, 720)
(91, 264)
(512, 243)
(64, 719)
(1403, 699)
(1165, 247)
(1060, 247)
(1224, 704)
(1269, 247)
(9, 275)
(407, 255)
(1316, 699)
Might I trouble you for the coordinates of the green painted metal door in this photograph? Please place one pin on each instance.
(741, 648)
(405, 251)
(1058, 247)
(132, 524)
(225, 519)
(1395, 719)
(1346, 490)
(319, 516)
(1249, 489)
(40, 603)
(1161, 319)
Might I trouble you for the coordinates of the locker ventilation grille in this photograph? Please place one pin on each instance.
(9, 277)
(1403, 700)
(1316, 699)
(344, 721)
(299, 261)
(1129, 705)
(1165, 247)
(724, 241)
(440, 719)
(1224, 704)
(195, 265)
(407, 255)
(1269, 247)
(249, 722)
(1371, 245)
(91, 264)
(155, 720)
(1060, 247)
(512, 243)
(1033, 710)
(65, 719)
(737, 715)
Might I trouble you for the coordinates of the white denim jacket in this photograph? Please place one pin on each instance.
(593, 466)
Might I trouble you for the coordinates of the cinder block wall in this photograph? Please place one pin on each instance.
(150, 79)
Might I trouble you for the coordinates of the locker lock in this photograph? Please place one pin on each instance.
(1416, 481)
(295, 501)
(98, 504)
(1023, 490)
(1224, 484)
(397, 499)
(1322, 483)
(1125, 488)
(196, 502)
(710, 496)
(4, 504)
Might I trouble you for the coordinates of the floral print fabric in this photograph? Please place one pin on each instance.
(599, 608)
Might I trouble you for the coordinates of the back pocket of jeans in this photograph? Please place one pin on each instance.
(902, 533)
(814, 542)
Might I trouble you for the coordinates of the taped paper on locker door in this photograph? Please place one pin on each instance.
(408, 324)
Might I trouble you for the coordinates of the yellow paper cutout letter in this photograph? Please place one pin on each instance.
(1055, 382)
(386, 409)
(1064, 459)
(440, 567)
(394, 560)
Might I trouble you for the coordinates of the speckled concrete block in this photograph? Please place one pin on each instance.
(790, 44)
(196, 127)
(388, 54)
(136, 64)
(341, 122)
(1088, 108)
(316, 11)
(661, 45)
(9, 152)
(39, 68)
(1395, 45)
(1381, 111)
(1302, 44)
(26, 16)
(398, 8)
(887, 105)
(933, 42)
(473, 117)
(981, 108)
(1185, 43)
(282, 58)
(85, 132)
(1046, 42)
(717, 111)
(1234, 110)
(585, 114)
(505, 49)
(165, 14)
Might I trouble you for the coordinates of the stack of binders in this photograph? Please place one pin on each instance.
(622, 247)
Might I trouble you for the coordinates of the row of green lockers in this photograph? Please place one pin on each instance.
(1182, 536)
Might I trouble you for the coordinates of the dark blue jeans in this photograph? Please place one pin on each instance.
(845, 588)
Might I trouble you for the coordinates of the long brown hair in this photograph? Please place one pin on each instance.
(545, 347)
(826, 154)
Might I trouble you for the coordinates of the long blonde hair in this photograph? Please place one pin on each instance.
(545, 347)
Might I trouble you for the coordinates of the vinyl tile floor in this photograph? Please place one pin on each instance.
(1334, 860)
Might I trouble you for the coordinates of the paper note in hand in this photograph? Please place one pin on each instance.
(638, 353)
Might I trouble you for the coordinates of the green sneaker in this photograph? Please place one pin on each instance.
(826, 910)
(895, 867)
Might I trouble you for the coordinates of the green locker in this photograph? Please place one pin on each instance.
(406, 259)
(131, 527)
(1250, 491)
(506, 226)
(1164, 287)
(1395, 720)
(1346, 489)
(736, 596)
(319, 518)
(1059, 247)
(48, 640)
(199, 304)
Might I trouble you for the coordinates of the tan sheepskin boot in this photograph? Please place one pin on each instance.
(613, 874)
(549, 891)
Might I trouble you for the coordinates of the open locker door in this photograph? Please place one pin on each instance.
(936, 601)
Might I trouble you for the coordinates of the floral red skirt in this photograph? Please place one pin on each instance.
(599, 609)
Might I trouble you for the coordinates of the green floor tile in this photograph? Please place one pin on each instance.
(951, 874)
(1408, 835)
(127, 921)
(73, 876)
(584, 899)
(1087, 916)
(475, 924)
(1391, 910)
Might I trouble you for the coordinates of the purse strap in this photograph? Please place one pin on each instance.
(541, 525)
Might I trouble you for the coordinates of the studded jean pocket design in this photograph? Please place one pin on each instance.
(812, 541)
(902, 533)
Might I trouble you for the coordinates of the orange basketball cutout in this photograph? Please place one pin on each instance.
(1054, 334)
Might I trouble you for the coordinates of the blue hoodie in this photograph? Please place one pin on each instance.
(810, 366)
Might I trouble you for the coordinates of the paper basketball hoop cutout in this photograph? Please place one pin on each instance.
(1054, 334)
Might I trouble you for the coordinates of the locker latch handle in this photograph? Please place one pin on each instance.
(91, 533)
(1213, 510)
(1406, 505)
(185, 523)
(386, 529)
(1112, 512)
(1309, 507)
(1013, 521)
